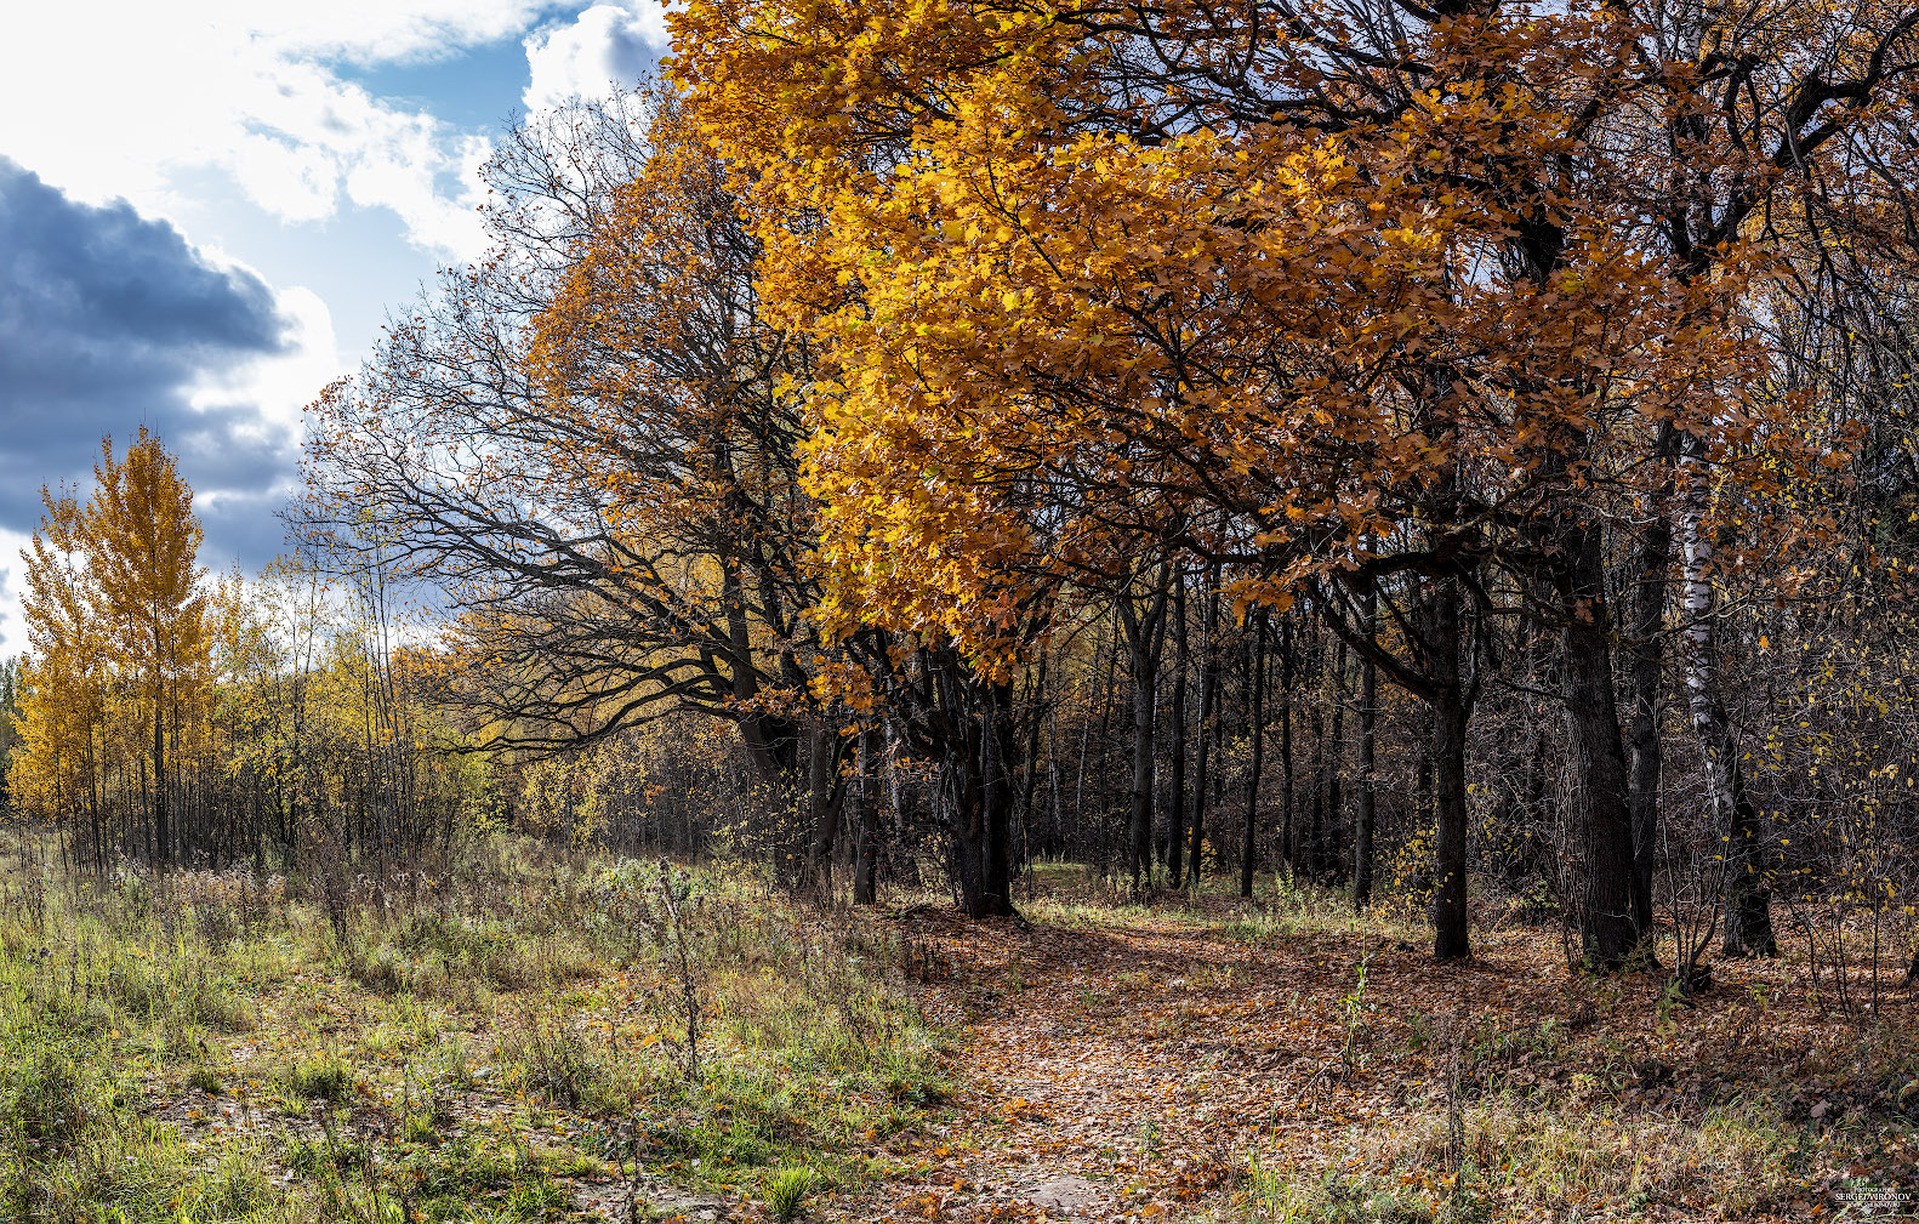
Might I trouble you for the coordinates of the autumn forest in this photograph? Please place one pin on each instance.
(1282, 610)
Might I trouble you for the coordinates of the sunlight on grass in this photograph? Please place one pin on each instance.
(481, 1047)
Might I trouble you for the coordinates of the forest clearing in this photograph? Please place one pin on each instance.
(1001, 610)
(508, 1043)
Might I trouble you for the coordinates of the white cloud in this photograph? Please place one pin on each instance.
(131, 99)
(124, 95)
(277, 387)
(606, 48)
(13, 629)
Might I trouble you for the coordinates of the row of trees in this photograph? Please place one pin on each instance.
(853, 387)
(1388, 442)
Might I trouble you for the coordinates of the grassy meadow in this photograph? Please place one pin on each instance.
(504, 1042)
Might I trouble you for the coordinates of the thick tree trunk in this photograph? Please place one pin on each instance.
(980, 792)
(1366, 816)
(1748, 922)
(825, 802)
(1601, 815)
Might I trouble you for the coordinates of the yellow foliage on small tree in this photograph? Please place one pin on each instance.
(117, 640)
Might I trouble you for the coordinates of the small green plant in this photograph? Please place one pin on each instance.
(1272, 1198)
(321, 1078)
(203, 1078)
(46, 1101)
(558, 1062)
(787, 1190)
(1353, 1012)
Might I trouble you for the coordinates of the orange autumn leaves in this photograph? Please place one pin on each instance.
(1068, 313)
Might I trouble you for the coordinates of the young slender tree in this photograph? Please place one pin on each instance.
(142, 543)
(116, 623)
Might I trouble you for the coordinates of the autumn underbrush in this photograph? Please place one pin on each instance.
(525, 1032)
(1075, 896)
(1514, 1090)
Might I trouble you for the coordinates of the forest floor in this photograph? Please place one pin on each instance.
(506, 1041)
(1210, 1059)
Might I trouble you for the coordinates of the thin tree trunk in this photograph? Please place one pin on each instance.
(1208, 726)
(1748, 923)
(1249, 847)
(1288, 834)
(1144, 636)
(1176, 767)
(1368, 719)
(1102, 773)
(1450, 714)
(1029, 786)
(163, 842)
(1306, 849)
(1646, 755)
(1328, 852)
(866, 852)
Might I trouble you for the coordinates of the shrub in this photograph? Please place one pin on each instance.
(787, 1190)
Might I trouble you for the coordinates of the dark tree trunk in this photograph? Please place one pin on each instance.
(825, 801)
(1208, 726)
(1646, 757)
(1748, 930)
(1601, 813)
(981, 795)
(1102, 769)
(1330, 851)
(1306, 849)
(1288, 834)
(1176, 766)
(866, 852)
(1144, 637)
(1450, 713)
(162, 838)
(1256, 678)
(1368, 718)
(1030, 766)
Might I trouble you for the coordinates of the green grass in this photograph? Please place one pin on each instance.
(200, 1045)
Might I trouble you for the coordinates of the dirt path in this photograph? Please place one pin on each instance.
(1130, 1066)
(1120, 1072)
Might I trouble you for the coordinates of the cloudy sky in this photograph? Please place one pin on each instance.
(208, 208)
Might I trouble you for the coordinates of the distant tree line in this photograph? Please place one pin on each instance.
(165, 717)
